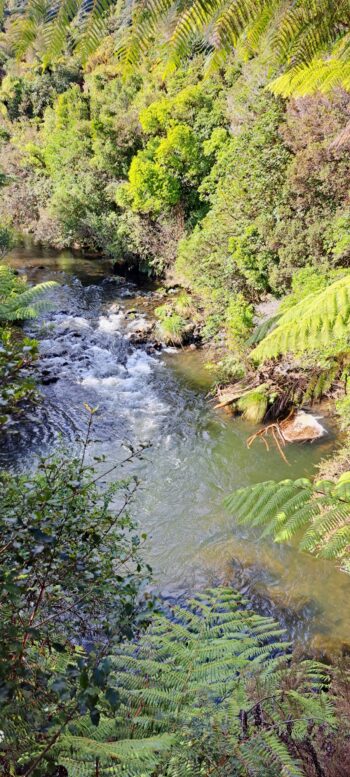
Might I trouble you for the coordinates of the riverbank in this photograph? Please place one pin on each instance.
(197, 456)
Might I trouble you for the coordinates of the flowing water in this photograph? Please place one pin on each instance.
(196, 457)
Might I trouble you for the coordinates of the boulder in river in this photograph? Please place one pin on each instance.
(302, 427)
(141, 326)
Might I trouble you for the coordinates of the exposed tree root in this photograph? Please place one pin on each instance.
(275, 430)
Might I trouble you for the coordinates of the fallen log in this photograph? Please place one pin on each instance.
(232, 397)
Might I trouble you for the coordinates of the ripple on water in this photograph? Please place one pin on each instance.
(196, 457)
(87, 358)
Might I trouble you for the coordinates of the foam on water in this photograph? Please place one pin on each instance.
(87, 357)
(111, 323)
(197, 456)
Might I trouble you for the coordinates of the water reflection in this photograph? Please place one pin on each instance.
(197, 456)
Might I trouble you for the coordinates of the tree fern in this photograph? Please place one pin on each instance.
(317, 76)
(318, 514)
(302, 33)
(17, 300)
(201, 672)
(319, 320)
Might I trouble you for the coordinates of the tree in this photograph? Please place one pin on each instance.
(70, 578)
(166, 172)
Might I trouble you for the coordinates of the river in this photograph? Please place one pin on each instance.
(196, 455)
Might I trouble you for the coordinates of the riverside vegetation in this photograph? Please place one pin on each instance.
(206, 144)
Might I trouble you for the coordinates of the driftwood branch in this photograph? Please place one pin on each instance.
(233, 396)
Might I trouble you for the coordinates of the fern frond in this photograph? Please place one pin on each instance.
(305, 33)
(226, 646)
(279, 754)
(250, 42)
(309, 27)
(235, 18)
(320, 511)
(263, 329)
(17, 300)
(260, 504)
(321, 318)
(321, 382)
(23, 30)
(55, 31)
(192, 21)
(91, 22)
(317, 76)
(144, 24)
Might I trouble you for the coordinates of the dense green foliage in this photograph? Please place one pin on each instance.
(240, 196)
(70, 578)
(210, 683)
(301, 33)
(217, 179)
(17, 385)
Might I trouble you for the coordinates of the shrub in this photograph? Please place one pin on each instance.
(171, 324)
(69, 582)
(239, 321)
(17, 385)
(227, 370)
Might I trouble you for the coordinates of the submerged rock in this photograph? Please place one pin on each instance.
(325, 647)
(141, 326)
(302, 427)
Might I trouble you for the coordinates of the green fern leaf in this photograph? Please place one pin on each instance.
(319, 512)
(17, 300)
(321, 317)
